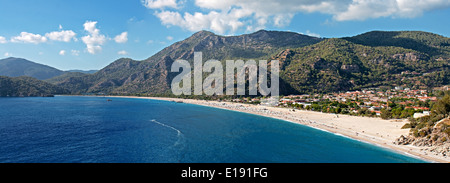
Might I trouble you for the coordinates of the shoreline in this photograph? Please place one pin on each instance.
(374, 131)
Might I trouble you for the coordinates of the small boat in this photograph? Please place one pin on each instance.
(109, 100)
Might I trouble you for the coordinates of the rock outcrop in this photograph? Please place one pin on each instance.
(350, 68)
(434, 140)
(409, 57)
(402, 140)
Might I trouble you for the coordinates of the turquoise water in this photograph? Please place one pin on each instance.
(91, 129)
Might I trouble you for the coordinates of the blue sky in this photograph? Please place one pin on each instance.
(90, 34)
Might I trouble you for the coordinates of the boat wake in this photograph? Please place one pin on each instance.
(180, 135)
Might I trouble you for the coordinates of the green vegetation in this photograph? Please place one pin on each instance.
(65, 76)
(400, 108)
(357, 109)
(440, 110)
(15, 67)
(27, 87)
(398, 112)
(340, 65)
(153, 76)
(415, 60)
(424, 42)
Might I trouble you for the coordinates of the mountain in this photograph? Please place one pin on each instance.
(425, 42)
(14, 67)
(27, 87)
(341, 65)
(258, 45)
(375, 59)
(84, 72)
(65, 76)
(127, 76)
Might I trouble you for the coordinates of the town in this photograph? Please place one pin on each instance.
(397, 103)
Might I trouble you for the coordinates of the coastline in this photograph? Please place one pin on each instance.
(375, 131)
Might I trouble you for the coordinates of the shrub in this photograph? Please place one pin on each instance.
(435, 138)
(415, 133)
(422, 133)
(406, 126)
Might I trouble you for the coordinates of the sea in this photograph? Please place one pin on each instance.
(73, 129)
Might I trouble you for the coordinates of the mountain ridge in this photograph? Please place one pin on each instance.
(15, 67)
(25, 86)
(341, 65)
(308, 64)
(426, 42)
(152, 75)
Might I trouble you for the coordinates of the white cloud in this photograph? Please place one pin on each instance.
(75, 52)
(365, 9)
(63, 35)
(62, 52)
(91, 27)
(224, 16)
(93, 49)
(26, 37)
(94, 40)
(170, 18)
(170, 38)
(3, 40)
(216, 21)
(231, 15)
(309, 33)
(122, 38)
(158, 4)
(123, 52)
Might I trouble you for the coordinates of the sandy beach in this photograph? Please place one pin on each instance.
(370, 130)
